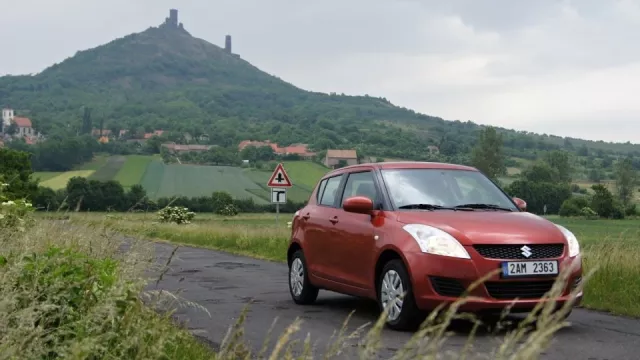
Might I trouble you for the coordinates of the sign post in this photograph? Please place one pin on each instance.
(279, 183)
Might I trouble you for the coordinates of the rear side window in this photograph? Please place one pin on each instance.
(330, 192)
(321, 187)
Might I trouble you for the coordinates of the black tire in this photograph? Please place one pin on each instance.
(309, 293)
(410, 316)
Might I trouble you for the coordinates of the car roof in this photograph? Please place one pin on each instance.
(402, 165)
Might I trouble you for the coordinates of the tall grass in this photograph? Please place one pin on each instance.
(69, 292)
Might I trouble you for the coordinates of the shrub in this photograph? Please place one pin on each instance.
(573, 206)
(631, 210)
(588, 213)
(176, 214)
(14, 214)
(228, 210)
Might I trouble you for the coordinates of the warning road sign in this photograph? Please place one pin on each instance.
(279, 178)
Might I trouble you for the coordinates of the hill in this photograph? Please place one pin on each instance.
(165, 78)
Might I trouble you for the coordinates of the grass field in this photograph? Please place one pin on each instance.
(60, 181)
(167, 180)
(45, 175)
(133, 170)
(109, 169)
(55, 179)
(611, 245)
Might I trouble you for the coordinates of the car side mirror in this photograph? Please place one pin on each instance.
(358, 205)
(522, 205)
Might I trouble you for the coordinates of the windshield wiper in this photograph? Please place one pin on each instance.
(427, 207)
(483, 206)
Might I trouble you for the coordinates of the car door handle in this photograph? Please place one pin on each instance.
(306, 216)
(334, 219)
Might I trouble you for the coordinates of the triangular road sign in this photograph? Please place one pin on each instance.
(279, 178)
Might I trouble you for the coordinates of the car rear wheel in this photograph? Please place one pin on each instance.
(394, 282)
(301, 289)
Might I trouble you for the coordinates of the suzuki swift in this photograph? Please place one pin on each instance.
(426, 230)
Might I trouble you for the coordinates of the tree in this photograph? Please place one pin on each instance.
(15, 170)
(86, 121)
(602, 201)
(626, 180)
(488, 156)
(559, 161)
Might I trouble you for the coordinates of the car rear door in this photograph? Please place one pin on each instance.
(319, 228)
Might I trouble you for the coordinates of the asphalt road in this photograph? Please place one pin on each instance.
(224, 284)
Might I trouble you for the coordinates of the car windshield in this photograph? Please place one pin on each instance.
(443, 188)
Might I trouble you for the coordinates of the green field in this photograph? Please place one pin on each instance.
(133, 170)
(168, 180)
(45, 175)
(60, 181)
(109, 169)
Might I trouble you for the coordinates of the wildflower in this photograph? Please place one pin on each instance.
(4, 185)
(7, 203)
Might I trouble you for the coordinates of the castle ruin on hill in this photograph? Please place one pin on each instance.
(172, 21)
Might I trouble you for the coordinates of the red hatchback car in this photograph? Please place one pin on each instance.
(428, 230)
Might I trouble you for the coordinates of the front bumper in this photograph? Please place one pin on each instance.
(439, 279)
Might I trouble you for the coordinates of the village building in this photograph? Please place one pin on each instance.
(301, 150)
(177, 148)
(333, 157)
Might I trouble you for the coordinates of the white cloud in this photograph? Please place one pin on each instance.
(556, 66)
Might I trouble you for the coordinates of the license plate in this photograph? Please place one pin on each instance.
(529, 268)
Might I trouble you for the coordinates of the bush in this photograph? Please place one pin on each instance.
(176, 214)
(588, 213)
(573, 206)
(631, 210)
(228, 210)
(14, 214)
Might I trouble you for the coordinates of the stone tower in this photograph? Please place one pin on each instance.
(227, 44)
(7, 117)
(173, 17)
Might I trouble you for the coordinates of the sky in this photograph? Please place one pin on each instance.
(569, 68)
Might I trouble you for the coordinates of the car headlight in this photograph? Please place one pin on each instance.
(574, 245)
(435, 241)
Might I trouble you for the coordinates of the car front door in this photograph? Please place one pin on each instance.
(319, 228)
(354, 243)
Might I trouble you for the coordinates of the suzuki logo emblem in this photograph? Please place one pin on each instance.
(526, 251)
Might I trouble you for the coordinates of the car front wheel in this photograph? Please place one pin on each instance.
(403, 313)
(301, 289)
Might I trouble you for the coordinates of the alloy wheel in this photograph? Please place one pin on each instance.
(296, 277)
(391, 292)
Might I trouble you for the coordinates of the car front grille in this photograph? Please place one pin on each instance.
(446, 286)
(538, 251)
(518, 289)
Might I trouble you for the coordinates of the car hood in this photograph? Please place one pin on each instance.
(488, 227)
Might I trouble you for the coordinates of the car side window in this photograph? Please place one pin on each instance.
(361, 184)
(330, 191)
(321, 187)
